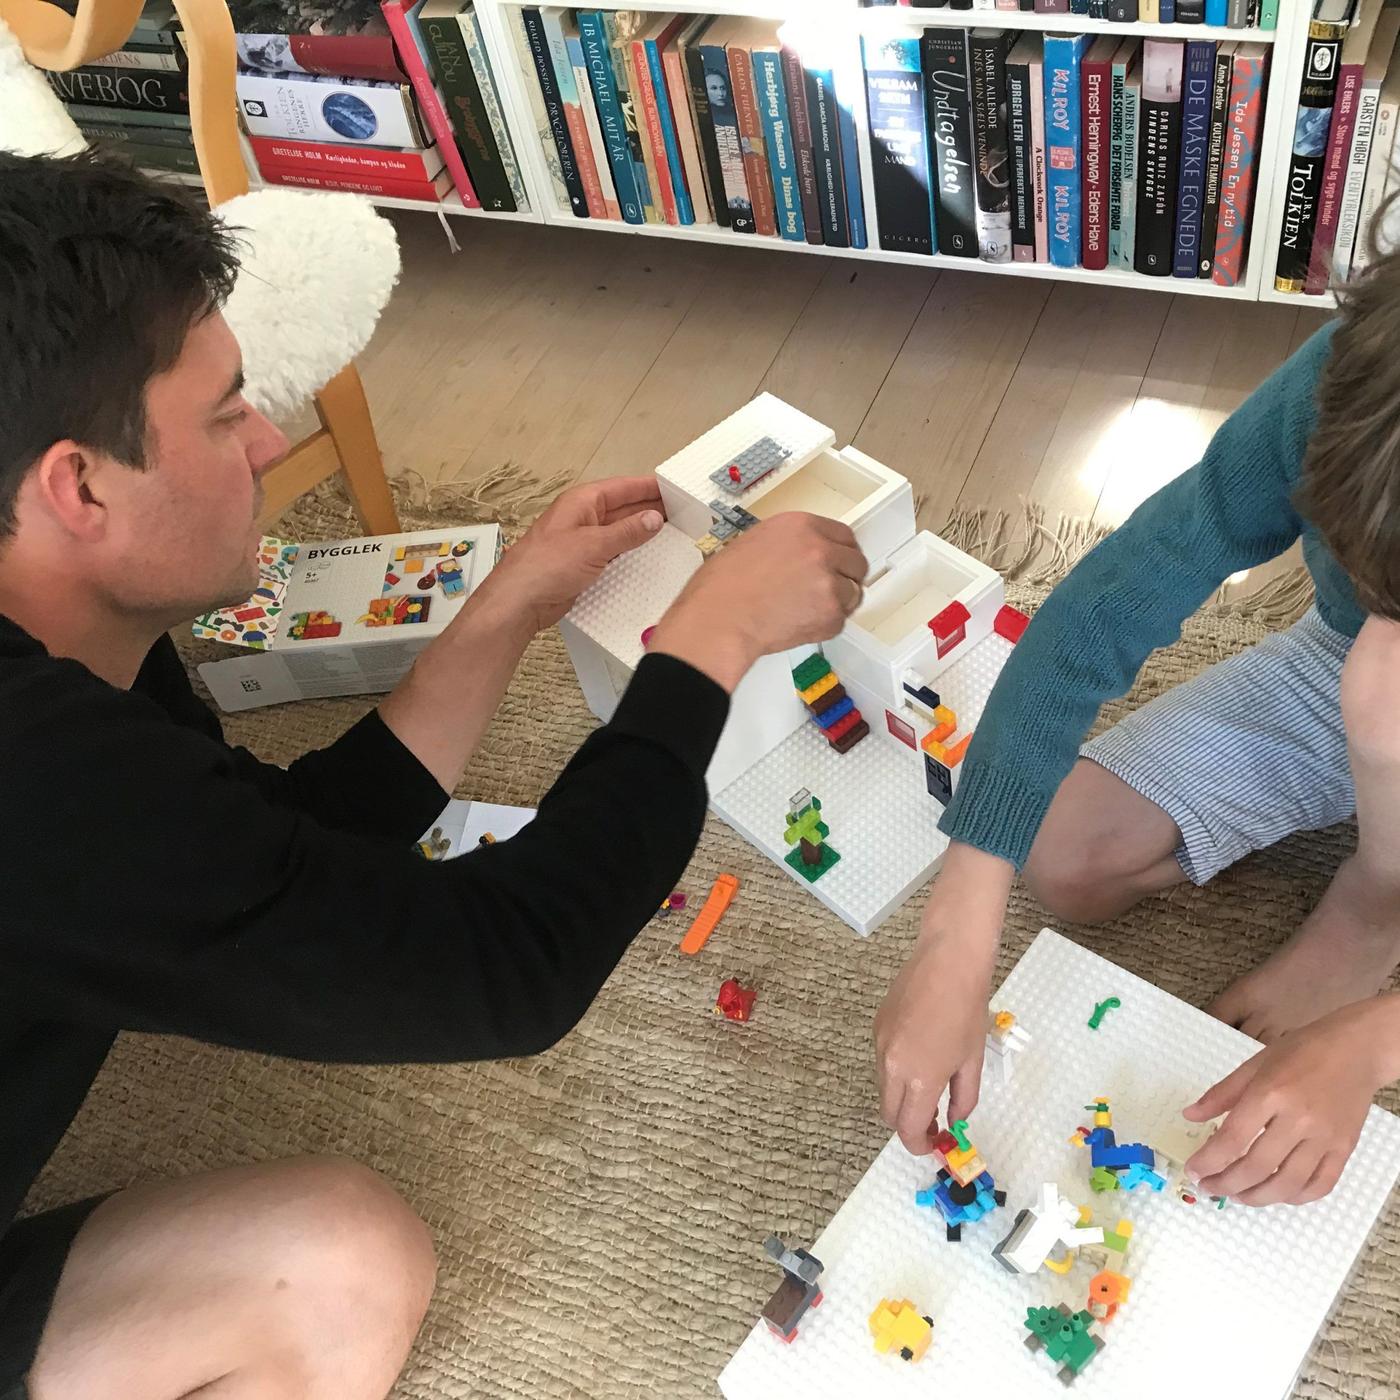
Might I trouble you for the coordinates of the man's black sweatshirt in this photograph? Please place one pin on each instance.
(156, 879)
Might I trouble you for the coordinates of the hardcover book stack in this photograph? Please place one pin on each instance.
(1098, 153)
(390, 100)
(137, 101)
(684, 119)
(1226, 14)
(1342, 164)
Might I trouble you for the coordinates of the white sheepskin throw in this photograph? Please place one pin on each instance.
(317, 271)
(317, 268)
(33, 122)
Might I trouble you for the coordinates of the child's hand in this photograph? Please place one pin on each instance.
(1294, 1111)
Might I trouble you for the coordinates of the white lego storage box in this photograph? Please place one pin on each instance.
(343, 617)
(931, 614)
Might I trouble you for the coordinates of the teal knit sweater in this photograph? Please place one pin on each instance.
(1131, 594)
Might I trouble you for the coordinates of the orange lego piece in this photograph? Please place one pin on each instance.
(721, 893)
(954, 755)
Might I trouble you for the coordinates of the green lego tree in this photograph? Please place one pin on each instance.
(807, 832)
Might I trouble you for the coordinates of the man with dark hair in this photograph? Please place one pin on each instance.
(1294, 734)
(129, 469)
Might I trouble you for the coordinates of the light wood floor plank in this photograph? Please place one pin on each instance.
(948, 383)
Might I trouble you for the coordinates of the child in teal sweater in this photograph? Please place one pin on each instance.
(1294, 734)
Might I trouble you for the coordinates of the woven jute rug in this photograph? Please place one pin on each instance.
(599, 1210)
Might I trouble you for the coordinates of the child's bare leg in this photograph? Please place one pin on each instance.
(1102, 847)
(1349, 945)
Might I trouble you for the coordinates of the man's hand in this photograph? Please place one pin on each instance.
(1294, 1111)
(566, 549)
(931, 1031)
(789, 580)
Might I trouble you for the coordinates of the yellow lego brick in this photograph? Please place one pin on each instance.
(933, 747)
(818, 688)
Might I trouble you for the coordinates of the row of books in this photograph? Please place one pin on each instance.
(1344, 154)
(1232, 14)
(404, 105)
(1056, 148)
(695, 119)
(137, 100)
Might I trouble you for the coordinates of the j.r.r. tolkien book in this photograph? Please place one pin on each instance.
(1305, 166)
(447, 57)
(137, 89)
(802, 143)
(1351, 67)
(355, 111)
(1095, 97)
(948, 104)
(1122, 241)
(1159, 154)
(899, 156)
(1025, 128)
(601, 79)
(1197, 80)
(725, 120)
(1237, 174)
(991, 158)
(1215, 154)
(1063, 139)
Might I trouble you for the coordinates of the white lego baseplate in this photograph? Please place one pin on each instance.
(883, 823)
(1223, 1302)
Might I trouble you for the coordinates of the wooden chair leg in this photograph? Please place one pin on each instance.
(344, 413)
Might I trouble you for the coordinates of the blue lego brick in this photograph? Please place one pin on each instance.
(839, 710)
(1139, 1175)
(1125, 1155)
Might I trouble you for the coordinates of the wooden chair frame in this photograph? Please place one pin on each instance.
(53, 39)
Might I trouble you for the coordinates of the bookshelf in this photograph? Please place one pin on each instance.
(848, 21)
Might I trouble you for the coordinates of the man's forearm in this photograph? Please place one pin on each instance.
(440, 710)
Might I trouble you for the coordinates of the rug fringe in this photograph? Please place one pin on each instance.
(506, 494)
(1276, 604)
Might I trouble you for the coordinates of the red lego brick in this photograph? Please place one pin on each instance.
(1011, 623)
(953, 617)
(851, 738)
(843, 726)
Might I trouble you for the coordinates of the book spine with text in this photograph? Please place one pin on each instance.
(1378, 169)
(368, 56)
(1132, 107)
(704, 124)
(1349, 216)
(1310, 131)
(1237, 173)
(633, 121)
(670, 141)
(1019, 144)
(1215, 156)
(948, 104)
(419, 166)
(726, 125)
(427, 191)
(141, 90)
(826, 146)
(1197, 81)
(1117, 80)
(447, 57)
(986, 54)
(653, 139)
(604, 85)
(1063, 54)
(554, 18)
(678, 94)
(848, 90)
(802, 144)
(402, 25)
(1095, 79)
(782, 162)
(554, 110)
(899, 157)
(1333, 175)
(593, 128)
(1159, 156)
(765, 213)
(118, 134)
(491, 100)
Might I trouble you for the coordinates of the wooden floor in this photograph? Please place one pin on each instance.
(566, 349)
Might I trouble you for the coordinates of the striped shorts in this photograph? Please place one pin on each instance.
(1247, 752)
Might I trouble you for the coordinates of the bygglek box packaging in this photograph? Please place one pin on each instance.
(343, 617)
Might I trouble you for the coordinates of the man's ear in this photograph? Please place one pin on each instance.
(67, 485)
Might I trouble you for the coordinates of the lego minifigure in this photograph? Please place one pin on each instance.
(963, 1191)
(797, 1292)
